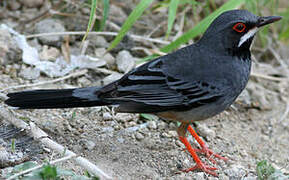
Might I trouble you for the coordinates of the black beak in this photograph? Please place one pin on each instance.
(267, 20)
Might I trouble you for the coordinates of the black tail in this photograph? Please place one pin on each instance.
(55, 98)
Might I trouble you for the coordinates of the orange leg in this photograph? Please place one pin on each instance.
(204, 149)
(199, 164)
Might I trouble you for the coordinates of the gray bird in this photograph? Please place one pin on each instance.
(191, 84)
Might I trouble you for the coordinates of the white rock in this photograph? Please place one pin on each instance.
(48, 26)
(124, 61)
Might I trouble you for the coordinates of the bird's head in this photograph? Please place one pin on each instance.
(234, 30)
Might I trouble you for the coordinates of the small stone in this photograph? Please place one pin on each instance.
(114, 76)
(89, 144)
(199, 176)
(118, 13)
(4, 155)
(235, 172)
(250, 178)
(29, 73)
(49, 53)
(83, 81)
(9, 50)
(107, 116)
(123, 117)
(139, 136)
(48, 26)
(124, 61)
(152, 125)
(13, 5)
(3, 97)
(172, 125)
(205, 131)
(101, 53)
(32, 3)
(223, 177)
(173, 133)
(213, 178)
(98, 41)
(162, 125)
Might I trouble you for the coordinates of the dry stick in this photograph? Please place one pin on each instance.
(40, 166)
(75, 74)
(263, 76)
(135, 37)
(285, 113)
(37, 133)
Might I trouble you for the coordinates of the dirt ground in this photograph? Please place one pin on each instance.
(129, 146)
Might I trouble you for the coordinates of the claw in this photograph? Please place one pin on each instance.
(204, 149)
(203, 167)
(210, 154)
(199, 164)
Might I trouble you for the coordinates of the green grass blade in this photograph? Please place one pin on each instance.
(91, 16)
(202, 25)
(104, 13)
(136, 13)
(172, 15)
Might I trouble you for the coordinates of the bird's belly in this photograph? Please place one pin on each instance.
(195, 114)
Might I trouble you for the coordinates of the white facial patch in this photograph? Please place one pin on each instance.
(247, 36)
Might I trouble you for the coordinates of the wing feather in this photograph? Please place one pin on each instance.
(149, 89)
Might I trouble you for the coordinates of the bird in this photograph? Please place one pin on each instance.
(190, 84)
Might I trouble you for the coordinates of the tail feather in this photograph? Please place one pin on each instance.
(55, 98)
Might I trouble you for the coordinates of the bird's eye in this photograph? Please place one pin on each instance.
(239, 27)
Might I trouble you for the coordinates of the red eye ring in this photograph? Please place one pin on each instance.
(239, 27)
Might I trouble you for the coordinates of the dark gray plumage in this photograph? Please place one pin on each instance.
(190, 84)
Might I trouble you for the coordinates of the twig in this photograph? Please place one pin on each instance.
(263, 76)
(39, 134)
(285, 114)
(40, 166)
(75, 74)
(135, 37)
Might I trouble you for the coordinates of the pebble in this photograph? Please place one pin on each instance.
(3, 96)
(162, 125)
(245, 97)
(88, 144)
(114, 76)
(139, 136)
(49, 53)
(250, 178)
(106, 116)
(9, 51)
(4, 155)
(13, 5)
(29, 73)
(32, 3)
(172, 126)
(48, 26)
(83, 81)
(123, 117)
(118, 13)
(98, 41)
(199, 176)
(213, 178)
(204, 131)
(124, 61)
(152, 124)
(235, 172)
(109, 59)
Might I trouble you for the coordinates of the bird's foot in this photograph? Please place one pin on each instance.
(199, 164)
(210, 154)
(205, 168)
(204, 149)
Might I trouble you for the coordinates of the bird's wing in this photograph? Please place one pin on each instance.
(149, 89)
